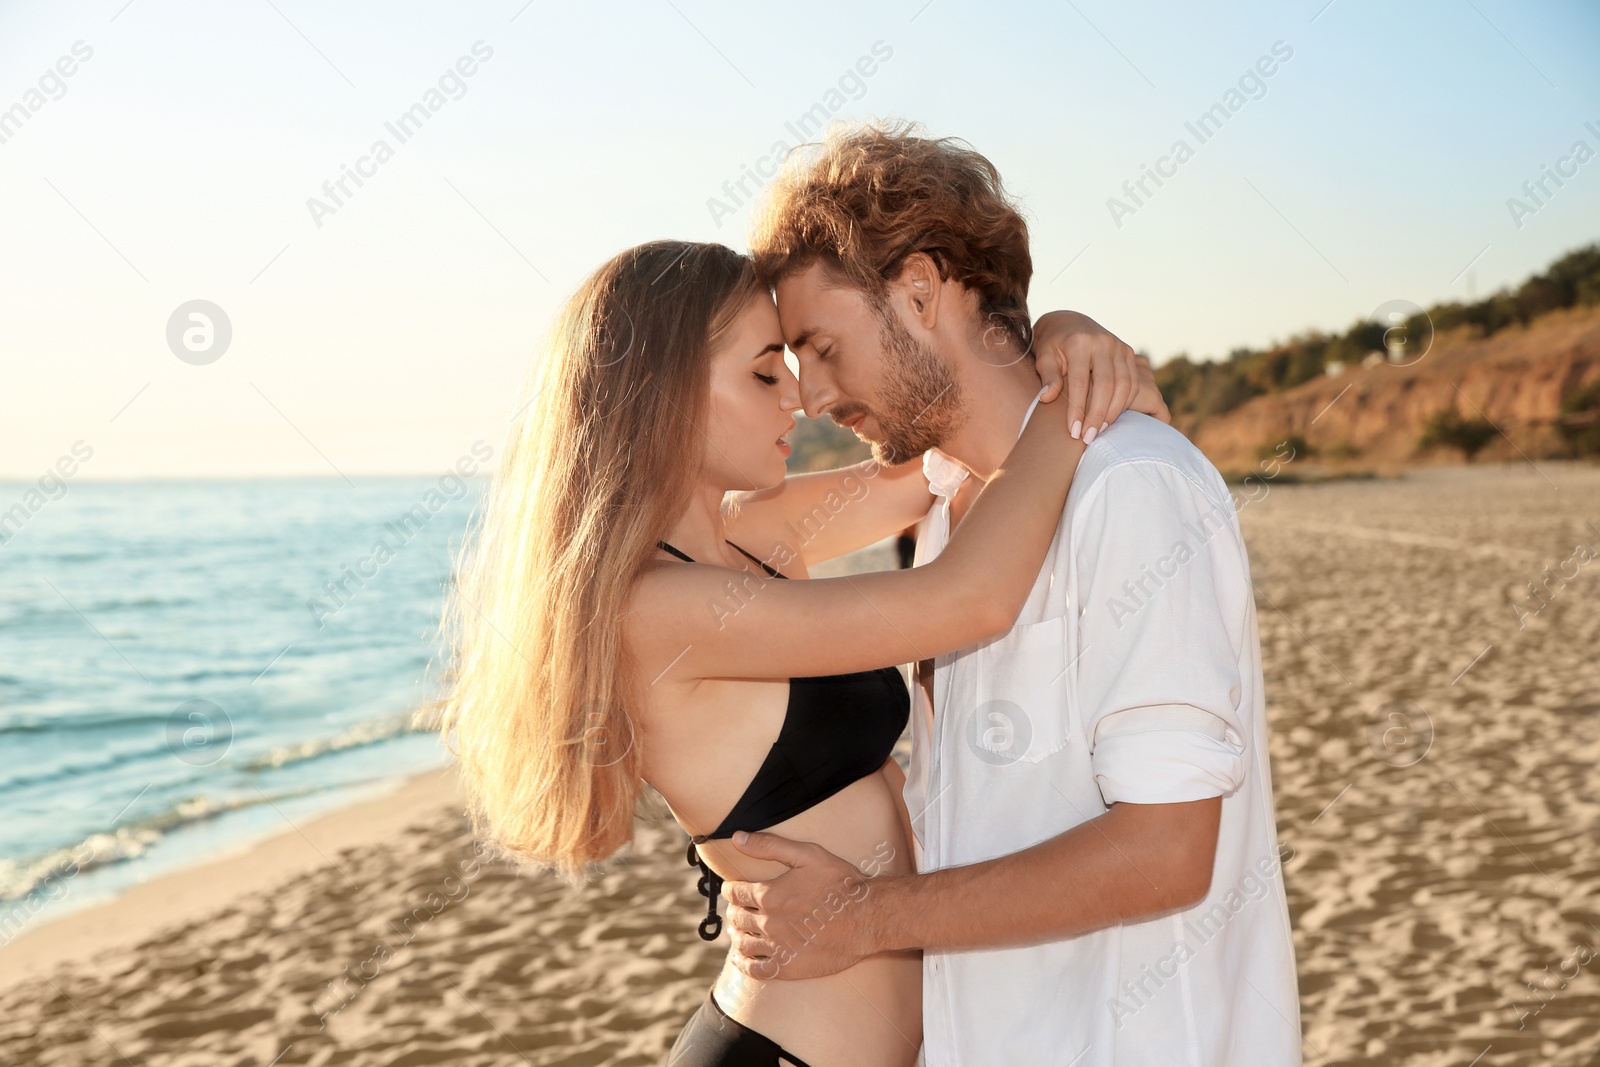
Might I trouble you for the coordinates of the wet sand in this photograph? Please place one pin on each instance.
(1436, 761)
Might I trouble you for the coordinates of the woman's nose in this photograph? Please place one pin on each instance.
(791, 401)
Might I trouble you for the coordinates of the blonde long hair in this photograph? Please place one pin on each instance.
(600, 463)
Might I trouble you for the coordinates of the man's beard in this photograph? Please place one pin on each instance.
(922, 404)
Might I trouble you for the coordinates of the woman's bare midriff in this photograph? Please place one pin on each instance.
(867, 1014)
(870, 1013)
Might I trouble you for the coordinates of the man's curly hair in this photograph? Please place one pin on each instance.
(868, 196)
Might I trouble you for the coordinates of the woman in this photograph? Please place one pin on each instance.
(611, 631)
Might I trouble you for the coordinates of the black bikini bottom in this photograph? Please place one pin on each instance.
(712, 1039)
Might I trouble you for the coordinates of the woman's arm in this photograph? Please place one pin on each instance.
(825, 514)
(689, 621)
(1102, 376)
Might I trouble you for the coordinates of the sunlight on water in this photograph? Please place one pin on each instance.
(184, 664)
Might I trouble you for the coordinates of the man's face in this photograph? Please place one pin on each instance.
(865, 368)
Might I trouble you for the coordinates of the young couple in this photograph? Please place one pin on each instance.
(1082, 868)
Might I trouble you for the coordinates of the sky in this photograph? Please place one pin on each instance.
(191, 155)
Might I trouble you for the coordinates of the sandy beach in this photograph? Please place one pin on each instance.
(375, 935)
(1436, 733)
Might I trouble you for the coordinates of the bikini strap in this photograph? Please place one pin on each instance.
(764, 566)
(675, 552)
(689, 559)
(710, 884)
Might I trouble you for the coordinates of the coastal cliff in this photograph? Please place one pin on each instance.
(1377, 416)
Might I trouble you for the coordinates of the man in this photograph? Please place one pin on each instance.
(1099, 877)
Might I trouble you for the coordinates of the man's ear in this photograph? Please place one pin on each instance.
(919, 289)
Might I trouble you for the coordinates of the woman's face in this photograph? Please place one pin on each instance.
(753, 396)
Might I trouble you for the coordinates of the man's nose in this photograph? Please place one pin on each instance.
(817, 391)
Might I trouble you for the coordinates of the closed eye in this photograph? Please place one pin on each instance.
(770, 379)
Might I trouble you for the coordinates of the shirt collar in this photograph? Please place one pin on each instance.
(1029, 415)
(945, 475)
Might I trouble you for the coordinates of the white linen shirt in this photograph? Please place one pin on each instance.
(1133, 674)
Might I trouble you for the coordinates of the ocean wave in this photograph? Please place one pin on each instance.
(26, 877)
(20, 878)
(69, 772)
(366, 732)
(78, 723)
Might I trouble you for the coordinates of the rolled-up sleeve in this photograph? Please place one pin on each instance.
(1164, 598)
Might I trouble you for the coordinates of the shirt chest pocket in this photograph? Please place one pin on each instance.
(1007, 701)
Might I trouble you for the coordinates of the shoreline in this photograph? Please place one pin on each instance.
(378, 935)
(199, 890)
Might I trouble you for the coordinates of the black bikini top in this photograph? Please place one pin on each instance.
(837, 729)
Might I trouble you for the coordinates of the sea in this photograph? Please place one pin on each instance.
(187, 667)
